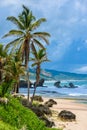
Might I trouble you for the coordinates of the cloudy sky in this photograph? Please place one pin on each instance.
(67, 24)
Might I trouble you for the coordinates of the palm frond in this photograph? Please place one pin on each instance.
(38, 43)
(14, 33)
(16, 22)
(37, 23)
(16, 41)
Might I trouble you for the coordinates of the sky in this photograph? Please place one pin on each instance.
(67, 25)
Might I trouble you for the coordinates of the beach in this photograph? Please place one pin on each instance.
(80, 110)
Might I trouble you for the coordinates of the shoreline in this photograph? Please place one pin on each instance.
(79, 109)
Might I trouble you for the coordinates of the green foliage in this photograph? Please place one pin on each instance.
(5, 88)
(18, 116)
(5, 126)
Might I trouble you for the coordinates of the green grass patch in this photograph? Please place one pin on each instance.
(14, 116)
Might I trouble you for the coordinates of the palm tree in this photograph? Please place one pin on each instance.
(13, 70)
(26, 24)
(38, 58)
(3, 55)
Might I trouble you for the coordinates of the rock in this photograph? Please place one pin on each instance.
(67, 115)
(57, 84)
(23, 84)
(41, 82)
(38, 98)
(40, 110)
(18, 95)
(48, 123)
(4, 100)
(50, 103)
(71, 85)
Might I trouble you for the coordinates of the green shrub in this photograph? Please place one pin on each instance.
(19, 118)
(5, 126)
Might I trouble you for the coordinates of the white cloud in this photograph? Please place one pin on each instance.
(82, 69)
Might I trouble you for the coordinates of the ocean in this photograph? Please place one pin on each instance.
(49, 90)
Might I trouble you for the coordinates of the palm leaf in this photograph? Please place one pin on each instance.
(16, 22)
(38, 43)
(14, 32)
(37, 23)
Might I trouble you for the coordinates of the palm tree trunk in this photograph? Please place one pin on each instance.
(27, 54)
(17, 89)
(37, 81)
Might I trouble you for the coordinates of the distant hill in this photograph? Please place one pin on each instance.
(48, 74)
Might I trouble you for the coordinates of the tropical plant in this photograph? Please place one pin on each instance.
(39, 56)
(3, 55)
(13, 70)
(26, 24)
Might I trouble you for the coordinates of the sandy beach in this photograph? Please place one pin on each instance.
(80, 110)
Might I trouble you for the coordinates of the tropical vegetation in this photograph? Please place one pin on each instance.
(26, 25)
(14, 62)
(39, 56)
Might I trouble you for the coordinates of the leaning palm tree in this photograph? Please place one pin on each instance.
(38, 58)
(26, 25)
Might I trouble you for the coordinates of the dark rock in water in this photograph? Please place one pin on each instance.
(41, 82)
(48, 123)
(67, 115)
(71, 85)
(23, 84)
(50, 103)
(57, 84)
(65, 86)
(50, 92)
(38, 98)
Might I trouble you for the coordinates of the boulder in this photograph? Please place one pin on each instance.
(67, 115)
(50, 103)
(71, 85)
(57, 84)
(40, 110)
(23, 84)
(38, 98)
(4, 100)
(41, 82)
(48, 123)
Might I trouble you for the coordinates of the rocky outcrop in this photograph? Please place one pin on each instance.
(40, 84)
(38, 98)
(50, 103)
(23, 84)
(57, 84)
(47, 121)
(71, 85)
(67, 115)
(40, 110)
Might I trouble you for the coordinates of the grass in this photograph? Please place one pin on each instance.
(14, 116)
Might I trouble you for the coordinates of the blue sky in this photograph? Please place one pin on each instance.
(67, 24)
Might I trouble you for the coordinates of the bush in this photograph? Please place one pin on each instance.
(17, 117)
(5, 126)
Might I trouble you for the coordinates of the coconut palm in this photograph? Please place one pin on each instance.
(26, 25)
(13, 70)
(39, 56)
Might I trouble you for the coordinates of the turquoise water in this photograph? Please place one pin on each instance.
(52, 91)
